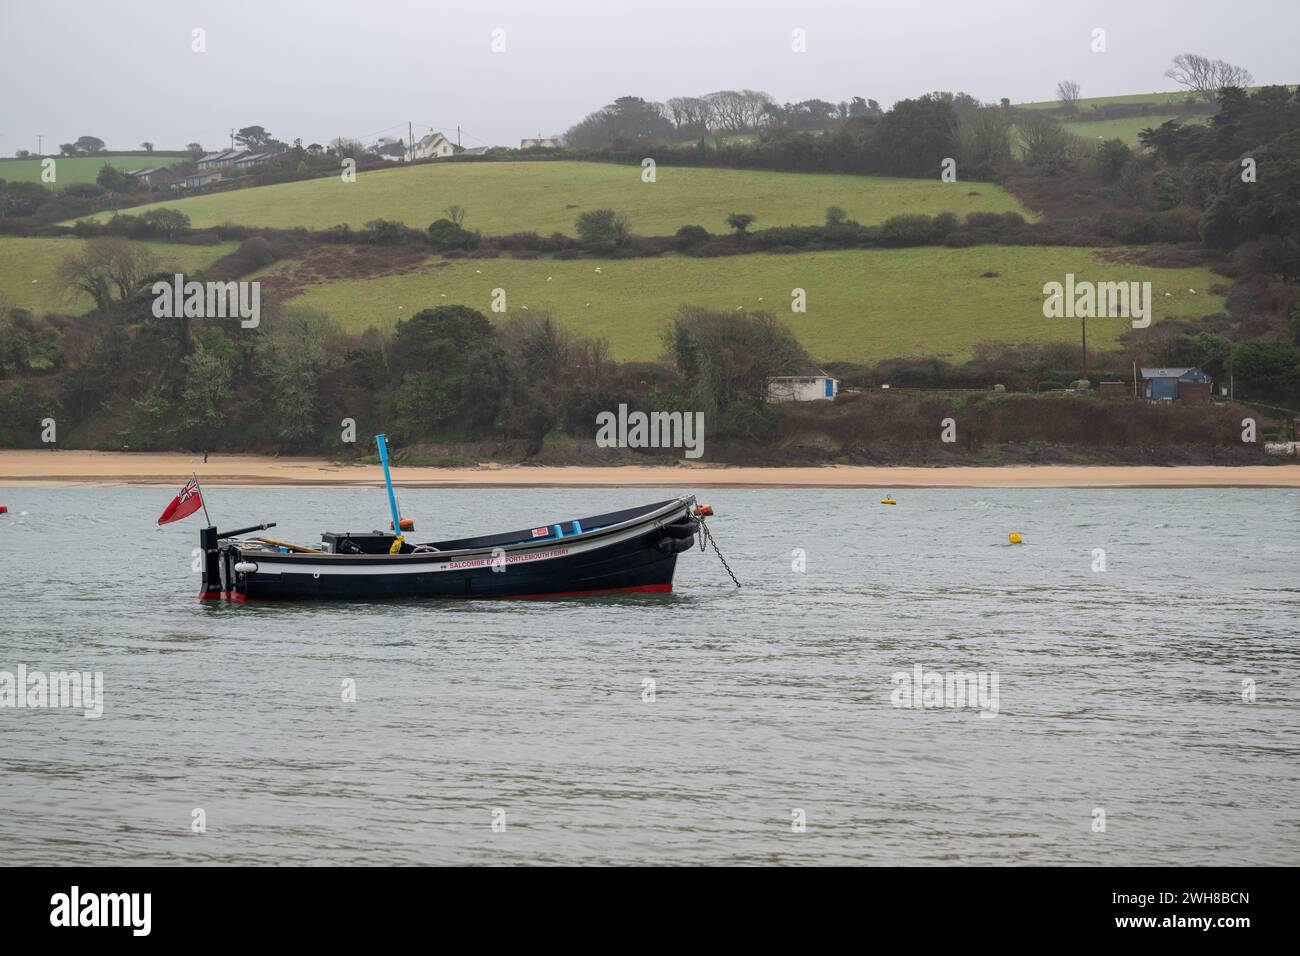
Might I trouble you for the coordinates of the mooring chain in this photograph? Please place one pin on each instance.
(706, 535)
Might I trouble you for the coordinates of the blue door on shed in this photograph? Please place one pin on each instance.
(830, 388)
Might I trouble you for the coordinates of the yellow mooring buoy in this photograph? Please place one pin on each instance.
(1014, 537)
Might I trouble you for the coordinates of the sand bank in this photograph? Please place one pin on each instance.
(37, 468)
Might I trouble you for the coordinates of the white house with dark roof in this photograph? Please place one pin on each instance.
(144, 175)
(195, 180)
(217, 160)
(249, 160)
(393, 150)
(433, 146)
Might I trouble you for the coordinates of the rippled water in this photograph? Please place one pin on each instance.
(1120, 691)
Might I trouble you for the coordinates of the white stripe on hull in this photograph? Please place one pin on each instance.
(453, 560)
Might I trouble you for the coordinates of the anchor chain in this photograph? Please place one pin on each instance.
(706, 535)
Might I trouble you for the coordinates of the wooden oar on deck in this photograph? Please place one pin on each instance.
(300, 549)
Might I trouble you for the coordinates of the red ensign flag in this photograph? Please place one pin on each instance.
(185, 504)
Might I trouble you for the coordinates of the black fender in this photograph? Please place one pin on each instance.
(682, 529)
(675, 545)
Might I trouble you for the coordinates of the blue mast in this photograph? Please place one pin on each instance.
(382, 442)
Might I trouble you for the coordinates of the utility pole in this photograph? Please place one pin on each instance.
(232, 137)
(1232, 382)
(1083, 326)
(39, 137)
(457, 134)
(410, 141)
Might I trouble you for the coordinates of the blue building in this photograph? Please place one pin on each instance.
(1171, 384)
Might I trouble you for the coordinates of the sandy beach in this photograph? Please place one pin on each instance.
(36, 468)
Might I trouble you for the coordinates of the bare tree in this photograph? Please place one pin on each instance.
(1226, 74)
(692, 115)
(756, 106)
(1193, 71)
(738, 112)
(344, 147)
(728, 109)
(104, 267)
(1067, 94)
(1204, 77)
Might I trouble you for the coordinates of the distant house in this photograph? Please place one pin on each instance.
(393, 150)
(251, 159)
(541, 142)
(197, 179)
(1176, 384)
(218, 160)
(145, 175)
(810, 385)
(433, 146)
(475, 151)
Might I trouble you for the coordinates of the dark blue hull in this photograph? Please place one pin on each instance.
(629, 551)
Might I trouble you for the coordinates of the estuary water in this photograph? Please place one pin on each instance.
(1147, 713)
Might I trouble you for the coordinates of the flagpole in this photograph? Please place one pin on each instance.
(203, 501)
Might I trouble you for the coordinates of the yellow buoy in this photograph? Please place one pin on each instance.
(1014, 537)
(888, 501)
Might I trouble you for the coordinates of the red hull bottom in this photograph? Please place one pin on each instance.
(639, 589)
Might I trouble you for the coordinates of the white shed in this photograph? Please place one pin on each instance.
(811, 385)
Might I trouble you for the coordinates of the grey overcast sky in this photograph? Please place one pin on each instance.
(123, 70)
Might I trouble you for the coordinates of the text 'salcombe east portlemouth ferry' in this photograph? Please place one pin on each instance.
(623, 551)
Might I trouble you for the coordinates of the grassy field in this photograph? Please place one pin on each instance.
(25, 260)
(548, 196)
(1176, 98)
(1126, 129)
(78, 169)
(862, 304)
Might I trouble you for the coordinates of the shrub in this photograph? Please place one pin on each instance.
(84, 190)
(602, 230)
(444, 235)
(688, 237)
(909, 230)
(384, 232)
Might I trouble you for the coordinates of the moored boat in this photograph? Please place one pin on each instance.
(618, 552)
(634, 550)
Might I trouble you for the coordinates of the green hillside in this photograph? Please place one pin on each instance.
(28, 266)
(1126, 129)
(547, 197)
(862, 304)
(1177, 98)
